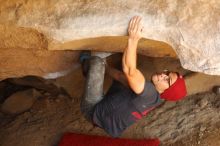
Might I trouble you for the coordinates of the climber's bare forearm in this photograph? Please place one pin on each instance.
(130, 57)
(134, 76)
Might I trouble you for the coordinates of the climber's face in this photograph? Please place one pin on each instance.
(164, 80)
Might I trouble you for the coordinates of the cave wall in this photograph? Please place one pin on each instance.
(34, 31)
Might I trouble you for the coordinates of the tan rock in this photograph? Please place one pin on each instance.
(48, 64)
(20, 101)
(37, 83)
(191, 28)
(199, 82)
(28, 28)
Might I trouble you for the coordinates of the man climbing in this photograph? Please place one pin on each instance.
(130, 96)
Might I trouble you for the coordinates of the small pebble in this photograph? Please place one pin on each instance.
(204, 102)
(41, 128)
(28, 120)
(61, 96)
(202, 128)
(200, 135)
(47, 94)
(196, 110)
(57, 100)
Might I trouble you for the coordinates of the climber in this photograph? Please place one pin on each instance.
(130, 96)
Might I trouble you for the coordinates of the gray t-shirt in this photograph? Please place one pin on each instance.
(121, 107)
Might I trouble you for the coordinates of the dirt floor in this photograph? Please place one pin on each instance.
(194, 121)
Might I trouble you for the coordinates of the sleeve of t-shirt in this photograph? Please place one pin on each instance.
(148, 98)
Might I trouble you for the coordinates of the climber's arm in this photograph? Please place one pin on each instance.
(134, 76)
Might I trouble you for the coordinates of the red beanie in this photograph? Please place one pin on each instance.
(176, 91)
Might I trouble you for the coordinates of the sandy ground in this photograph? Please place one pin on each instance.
(49, 118)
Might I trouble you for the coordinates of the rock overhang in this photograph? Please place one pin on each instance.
(188, 30)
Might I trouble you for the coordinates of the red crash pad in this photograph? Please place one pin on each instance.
(73, 139)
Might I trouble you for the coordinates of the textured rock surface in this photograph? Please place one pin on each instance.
(37, 83)
(190, 27)
(20, 102)
(199, 82)
(49, 64)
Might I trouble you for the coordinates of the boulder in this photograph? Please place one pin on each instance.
(20, 101)
(37, 83)
(188, 30)
(199, 82)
